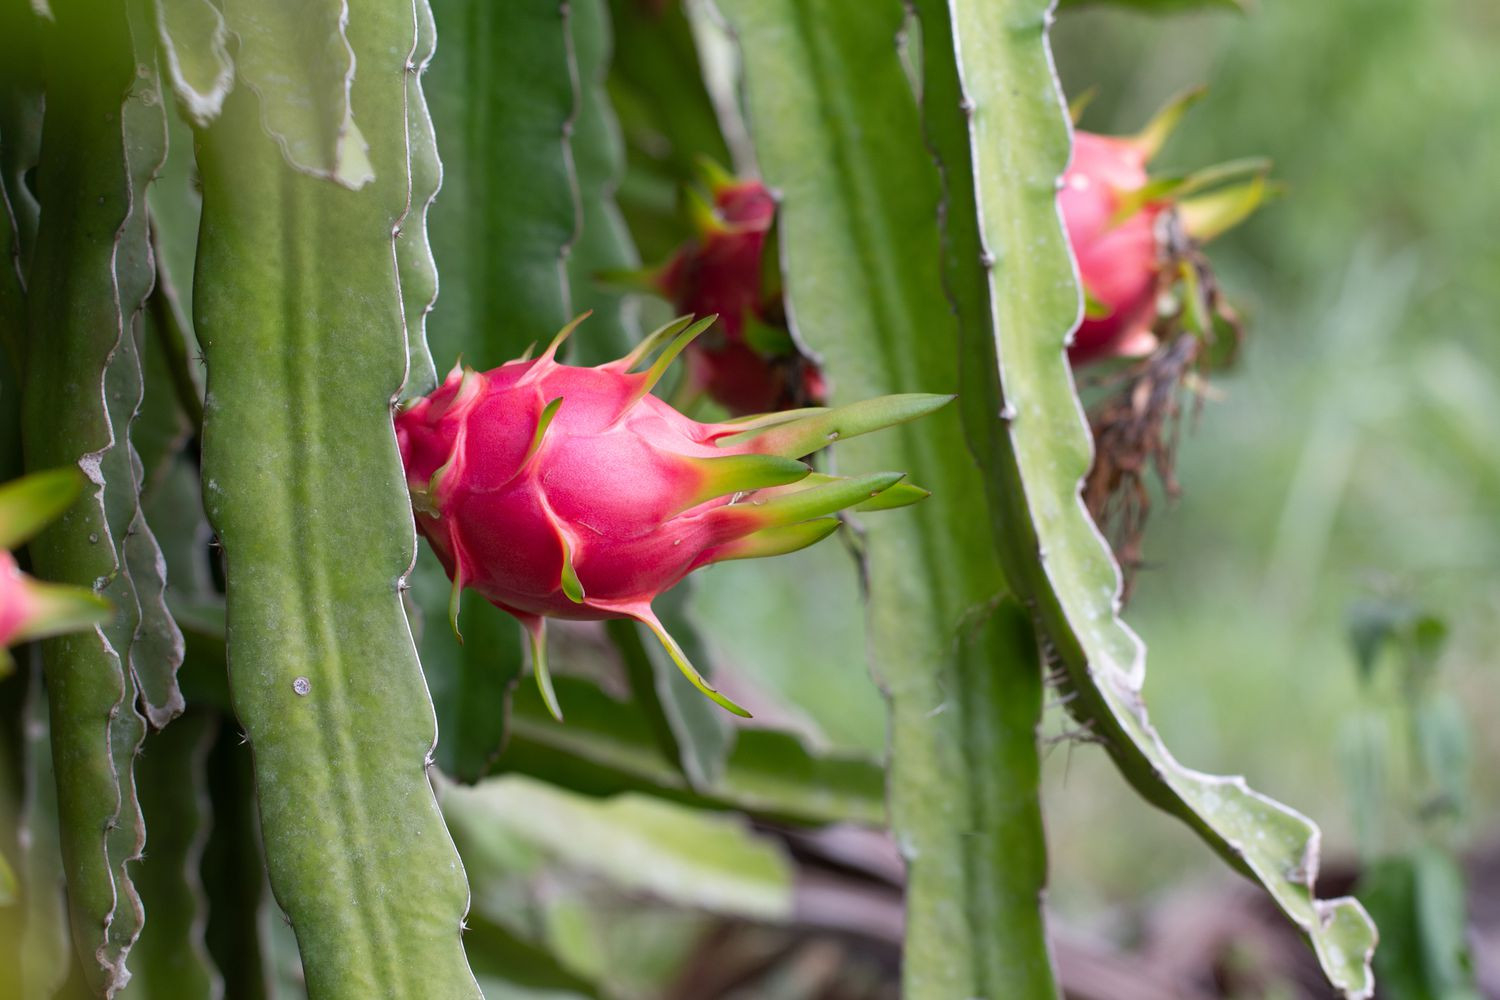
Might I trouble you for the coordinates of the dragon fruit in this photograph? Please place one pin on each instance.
(557, 491)
(1117, 259)
(29, 608)
(750, 364)
(1132, 234)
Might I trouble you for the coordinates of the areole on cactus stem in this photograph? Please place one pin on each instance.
(557, 491)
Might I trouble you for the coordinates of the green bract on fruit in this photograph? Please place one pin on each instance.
(567, 492)
(750, 362)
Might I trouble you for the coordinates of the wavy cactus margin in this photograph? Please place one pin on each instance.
(999, 129)
(91, 271)
(300, 314)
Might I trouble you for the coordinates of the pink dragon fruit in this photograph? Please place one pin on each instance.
(30, 609)
(1130, 232)
(567, 492)
(751, 363)
(1117, 259)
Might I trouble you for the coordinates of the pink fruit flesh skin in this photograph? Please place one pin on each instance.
(1118, 264)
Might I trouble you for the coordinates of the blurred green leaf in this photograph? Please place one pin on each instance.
(640, 845)
(607, 746)
(509, 968)
(32, 502)
(1418, 902)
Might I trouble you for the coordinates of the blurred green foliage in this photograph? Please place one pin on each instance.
(1352, 451)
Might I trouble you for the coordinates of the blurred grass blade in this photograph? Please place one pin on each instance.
(837, 132)
(508, 966)
(171, 959)
(299, 311)
(1013, 289)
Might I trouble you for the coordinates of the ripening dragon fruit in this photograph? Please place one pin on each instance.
(1130, 232)
(1117, 258)
(567, 492)
(750, 364)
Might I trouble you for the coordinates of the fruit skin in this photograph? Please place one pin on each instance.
(16, 605)
(607, 485)
(1119, 262)
(567, 492)
(752, 364)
